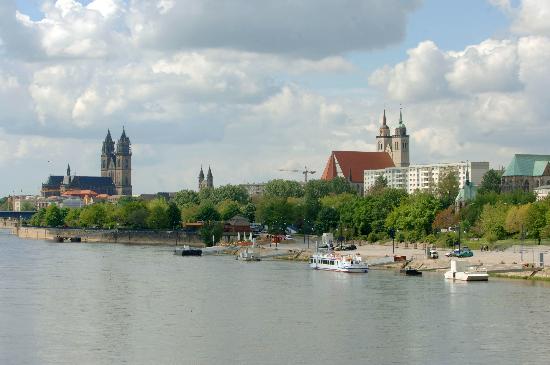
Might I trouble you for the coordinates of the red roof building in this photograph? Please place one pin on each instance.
(352, 165)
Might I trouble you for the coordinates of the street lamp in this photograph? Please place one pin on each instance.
(392, 235)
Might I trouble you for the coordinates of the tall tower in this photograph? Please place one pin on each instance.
(383, 140)
(209, 179)
(400, 144)
(201, 179)
(108, 159)
(123, 170)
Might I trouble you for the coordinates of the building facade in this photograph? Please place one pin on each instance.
(116, 172)
(526, 172)
(207, 183)
(396, 144)
(116, 163)
(426, 177)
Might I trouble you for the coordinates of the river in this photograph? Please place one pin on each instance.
(75, 303)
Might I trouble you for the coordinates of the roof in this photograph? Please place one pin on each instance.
(356, 162)
(91, 182)
(80, 192)
(467, 193)
(527, 165)
(54, 180)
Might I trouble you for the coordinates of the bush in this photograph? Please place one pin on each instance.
(431, 239)
(449, 239)
(372, 237)
(491, 237)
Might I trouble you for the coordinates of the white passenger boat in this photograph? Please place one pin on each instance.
(459, 271)
(336, 262)
(248, 254)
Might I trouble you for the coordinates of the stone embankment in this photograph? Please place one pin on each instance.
(168, 238)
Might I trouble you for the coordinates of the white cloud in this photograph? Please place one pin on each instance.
(532, 17)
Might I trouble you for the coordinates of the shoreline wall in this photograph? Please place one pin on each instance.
(168, 238)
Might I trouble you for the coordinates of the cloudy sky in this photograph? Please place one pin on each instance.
(251, 87)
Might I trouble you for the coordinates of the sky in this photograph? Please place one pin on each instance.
(250, 88)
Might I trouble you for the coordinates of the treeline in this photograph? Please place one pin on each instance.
(329, 206)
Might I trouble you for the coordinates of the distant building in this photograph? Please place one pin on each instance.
(526, 172)
(352, 164)
(116, 171)
(426, 177)
(542, 192)
(392, 151)
(254, 189)
(209, 182)
(466, 194)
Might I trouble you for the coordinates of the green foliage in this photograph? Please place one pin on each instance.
(493, 220)
(380, 183)
(448, 239)
(536, 219)
(72, 219)
(185, 198)
(133, 215)
(447, 188)
(27, 206)
(235, 193)
(206, 212)
(249, 211)
(4, 204)
(276, 213)
(279, 188)
(211, 233)
(37, 219)
(94, 216)
(53, 216)
(491, 182)
(228, 209)
(158, 214)
(327, 220)
(189, 213)
(445, 219)
(415, 214)
(517, 197)
(174, 215)
(516, 218)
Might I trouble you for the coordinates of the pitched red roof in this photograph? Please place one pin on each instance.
(356, 162)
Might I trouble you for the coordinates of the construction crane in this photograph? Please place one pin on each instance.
(305, 171)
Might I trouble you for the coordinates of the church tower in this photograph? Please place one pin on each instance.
(108, 159)
(201, 180)
(123, 169)
(209, 179)
(383, 140)
(400, 144)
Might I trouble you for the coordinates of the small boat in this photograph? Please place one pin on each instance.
(460, 272)
(248, 255)
(334, 262)
(409, 271)
(187, 251)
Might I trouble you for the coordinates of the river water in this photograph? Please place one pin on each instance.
(73, 303)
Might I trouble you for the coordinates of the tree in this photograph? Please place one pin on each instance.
(445, 218)
(279, 188)
(133, 214)
(174, 216)
(37, 219)
(340, 185)
(211, 233)
(536, 219)
(189, 213)
(492, 220)
(327, 220)
(249, 211)
(27, 206)
(380, 183)
(516, 218)
(93, 215)
(228, 209)
(158, 214)
(207, 213)
(72, 219)
(276, 213)
(186, 197)
(447, 188)
(235, 193)
(491, 181)
(53, 216)
(4, 204)
(415, 214)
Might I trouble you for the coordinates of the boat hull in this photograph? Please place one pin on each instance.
(188, 252)
(358, 269)
(466, 276)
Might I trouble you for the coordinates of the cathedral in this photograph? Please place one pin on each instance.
(116, 172)
(117, 163)
(396, 145)
(209, 182)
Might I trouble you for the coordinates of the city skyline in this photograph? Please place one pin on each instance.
(470, 78)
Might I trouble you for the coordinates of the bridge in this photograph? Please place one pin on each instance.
(8, 214)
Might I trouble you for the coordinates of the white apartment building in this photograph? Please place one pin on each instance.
(424, 177)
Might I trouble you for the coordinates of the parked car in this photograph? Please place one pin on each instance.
(463, 252)
(433, 254)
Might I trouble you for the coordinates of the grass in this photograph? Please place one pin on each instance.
(520, 277)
